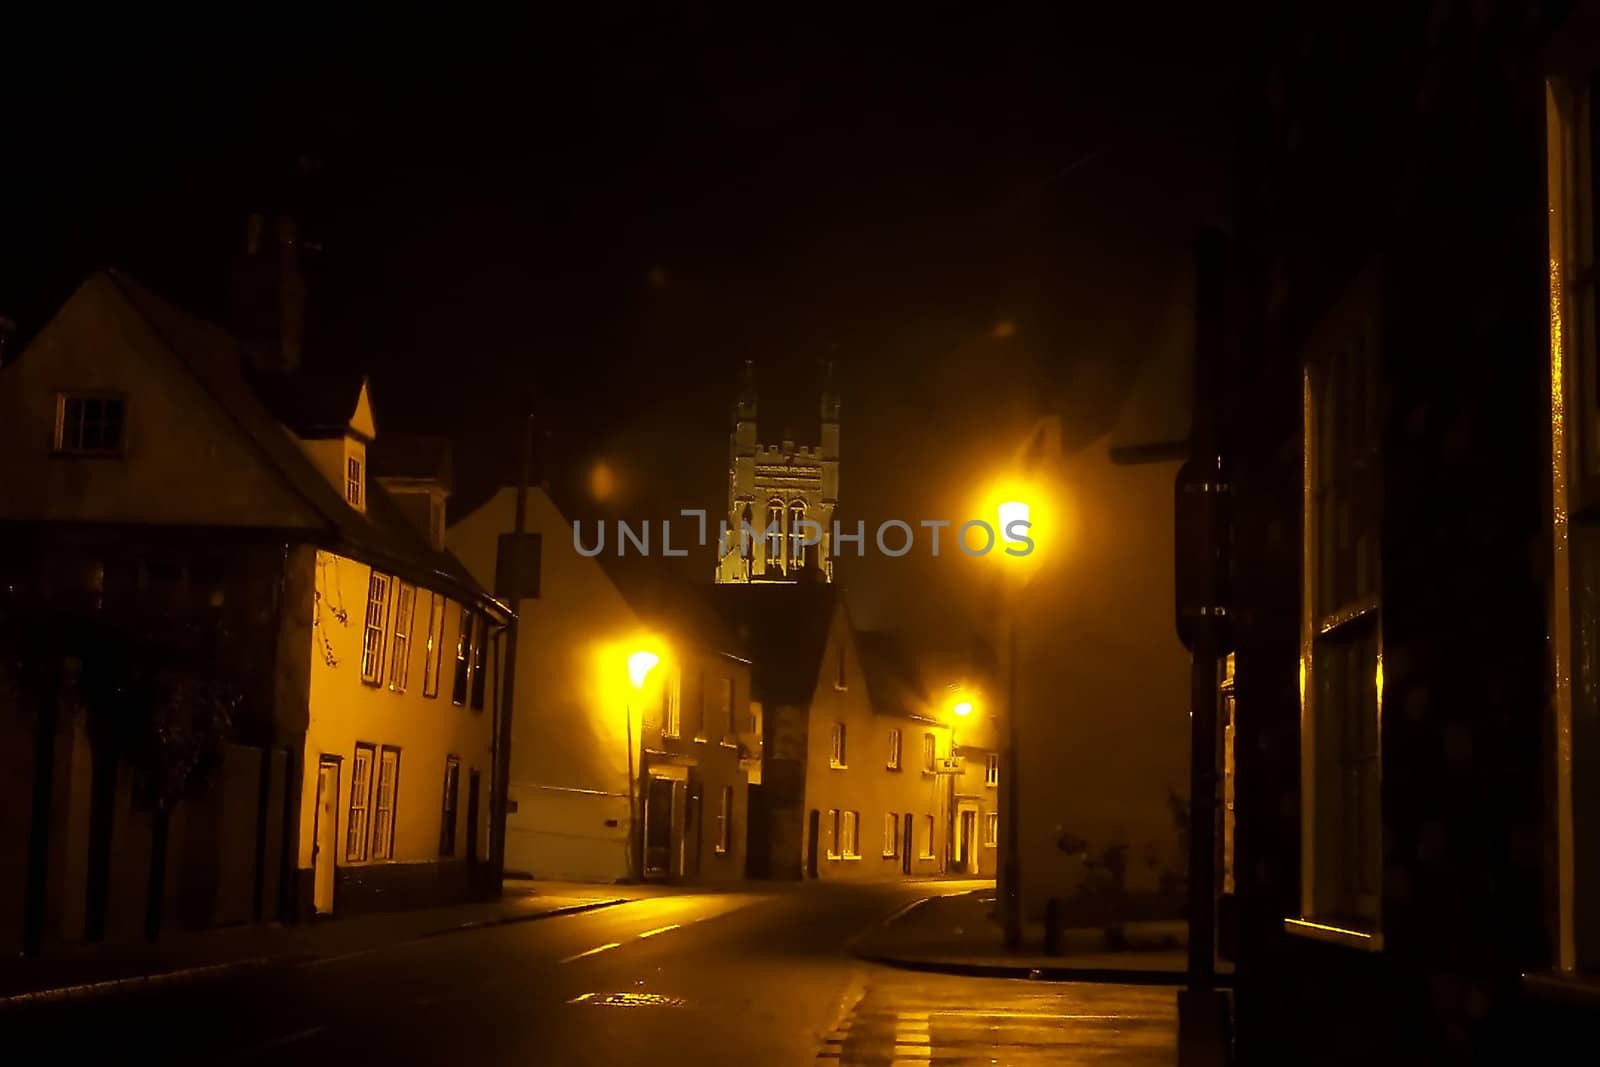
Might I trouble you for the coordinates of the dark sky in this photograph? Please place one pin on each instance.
(975, 214)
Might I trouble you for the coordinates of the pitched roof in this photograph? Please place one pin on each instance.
(381, 536)
(317, 404)
(785, 630)
(894, 684)
(412, 455)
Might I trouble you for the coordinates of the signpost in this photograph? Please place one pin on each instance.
(949, 765)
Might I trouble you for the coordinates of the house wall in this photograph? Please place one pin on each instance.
(184, 462)
(1102, 685)
(344, 710)
(866, 784)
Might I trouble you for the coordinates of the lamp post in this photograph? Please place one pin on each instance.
(640, 664)
(1011, 900)
(959, 710)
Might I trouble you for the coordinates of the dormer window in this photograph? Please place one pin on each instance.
(352, 481)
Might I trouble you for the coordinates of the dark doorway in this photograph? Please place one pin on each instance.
(658, 826)
(757, 847)
(472, 818)
(691, 831)
(813, 832)
(905, 848)
(969, 829)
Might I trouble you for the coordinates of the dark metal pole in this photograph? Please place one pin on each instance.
(513, 588)
(1013, 865)
(635, 861)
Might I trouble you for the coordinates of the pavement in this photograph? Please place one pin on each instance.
(80, 970)
(753, 975)
(958, 932)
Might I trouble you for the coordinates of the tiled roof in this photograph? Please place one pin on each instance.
(381, 536)
(412, 455)
(785, 630)
(894, 684)
(313, 405)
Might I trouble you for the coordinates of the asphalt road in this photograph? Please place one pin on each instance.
(747, 979)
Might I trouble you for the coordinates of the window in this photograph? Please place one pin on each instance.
(891, 835)
(725, 820)
(930, 752)
(838, 670)
(849, 845)
(372, 634)
(991, 769)
(458, 692)
(837, 753)
(894, 748)
(991, 828)
(352, 481)
(383, 804)
(700, 708)
(355, 834)
(447, 811)
(89, 424)
(671, 716)
(430, 659)
(400, 648)
(725, 708)
(797, 535)
(480, 644)
(1341, 632)
(774, 531)
(927, 837)
(834, 832)
(527, 566)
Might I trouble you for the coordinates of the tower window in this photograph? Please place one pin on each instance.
(774, 533)
(352, 481)
(797, 536)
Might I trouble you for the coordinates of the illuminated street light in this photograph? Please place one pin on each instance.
(963, 708)
(640, 664)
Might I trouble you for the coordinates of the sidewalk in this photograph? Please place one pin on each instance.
(960, 934)
(86, 970)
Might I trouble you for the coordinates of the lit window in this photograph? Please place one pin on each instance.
(480, 645)
(774, 532)
(930, 752)
(355, 840)
(725, 820)
(797, 535)
(89, 424)
(834, 830)
(1341, 632)
(927, 837)
(894, 748)
(373, 633)
(891, 835)
(435, 649)
(991, 828)
(383, 804)
(400, 646)
(837, 753)
(352, 481)
(447, 813)
(700, 708)
(849, 844)
(991, 770)
(838, 671)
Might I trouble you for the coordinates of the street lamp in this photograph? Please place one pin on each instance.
(640, 664)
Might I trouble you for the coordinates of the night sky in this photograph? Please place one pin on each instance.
(977, 216)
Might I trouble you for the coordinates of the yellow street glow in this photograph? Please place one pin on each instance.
(963, 708)
(640, 664)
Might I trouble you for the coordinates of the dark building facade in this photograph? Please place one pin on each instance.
(1410, 423)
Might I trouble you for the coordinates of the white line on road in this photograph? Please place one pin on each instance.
(593, 951)
(580, 998)
(284, 1039)
(660, 930)
(1001, 1013)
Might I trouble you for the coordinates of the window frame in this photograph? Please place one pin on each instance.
(403, 615)
(991, 829)
(355, 487)
(480, 653)
(700, 707)
(380, 587)
(357, 842)
(450, 806)
(1341, 629)
(671, 706)
(991, 770)
(838, 752)
(774, 539)
(895, 742)
(795, 534)
(850, 825)
(382, 837)
(930, 752)
(433, 655)
(725, 822)
(67, 397)
(832, 848)
(891, 834)
(725, 695)
(927, 845)
(461, 682)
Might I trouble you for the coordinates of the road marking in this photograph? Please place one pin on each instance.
(901, 912)
(593, 951)
(580, 998)
(660, 930)
(284, 1039)
(1001, 1013)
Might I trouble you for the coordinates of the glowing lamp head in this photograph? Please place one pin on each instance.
(1013, 511)
(963, 708)
(640, 664)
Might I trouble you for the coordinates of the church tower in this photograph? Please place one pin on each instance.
(785, 493)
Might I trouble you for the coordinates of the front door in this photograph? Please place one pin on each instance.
(905, 849)
(324, 850)
(658, 826)
(968, 830)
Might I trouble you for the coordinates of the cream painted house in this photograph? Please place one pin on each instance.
(218, 521)
(609, 780)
